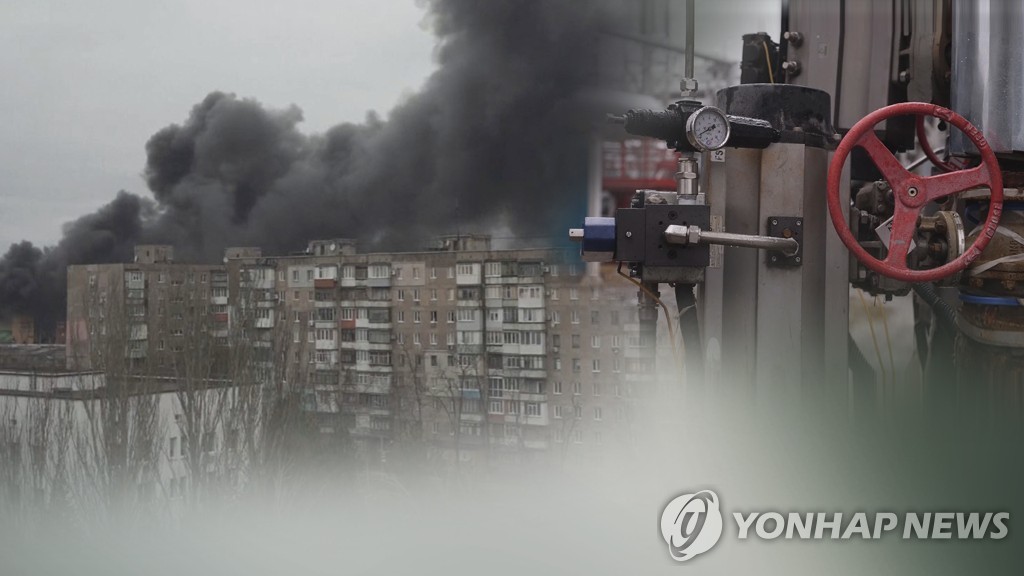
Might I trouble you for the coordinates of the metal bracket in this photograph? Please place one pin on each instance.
(786, 227)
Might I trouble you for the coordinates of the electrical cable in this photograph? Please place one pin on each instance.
(888, 340)
(689, 332)
(664, 308)
(768, 59)
(874, 339)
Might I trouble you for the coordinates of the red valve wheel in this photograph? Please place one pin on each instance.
(926, 147)
(913, 192)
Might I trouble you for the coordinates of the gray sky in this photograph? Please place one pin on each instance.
(86, 83)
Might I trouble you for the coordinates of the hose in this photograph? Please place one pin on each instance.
(945, 313)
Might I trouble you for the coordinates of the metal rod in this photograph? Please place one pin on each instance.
(694, 235)
(689, 39)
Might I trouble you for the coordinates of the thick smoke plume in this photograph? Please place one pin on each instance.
(494, 139)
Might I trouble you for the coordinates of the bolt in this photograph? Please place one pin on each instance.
(797, 259)
(799, 222)
(775, 258)
(905, 76)
(629, 234)
(775, 222)
(792, 67)
(912, 191)
(794, 38)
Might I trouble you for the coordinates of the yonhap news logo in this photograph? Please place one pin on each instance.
(693, 523)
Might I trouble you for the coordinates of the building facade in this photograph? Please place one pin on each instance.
(461, 347)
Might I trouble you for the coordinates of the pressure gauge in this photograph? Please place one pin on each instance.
(707, 129)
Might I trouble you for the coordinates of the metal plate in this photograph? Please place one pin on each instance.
(785, 227)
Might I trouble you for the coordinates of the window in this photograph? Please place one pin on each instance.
(575, 340)
(577, 436)
(558, 388)
(415, 274)
(597, 412)
(577, 411)
(558, 412)
(596, 365)
(574, 293)
(558, 435)
(597, 388)
(554, 293)
(416, 338)
(401, 315)
(595, 317)
(575, 316)
(554, 269)
(533, 408)
(614, 314)
(576, 388)
(380, 271)
(574, 270)
(415, 293)
(401, 295)
(416, 316)
(467, 315)
(433, 294)
(464, 269)
(433, 316)
(576, 368)
(433, 275)
(556, 317)
(495, 407)
(173, 449)
(433, 342)
(309, 274)
(492, 269)
(595, 341)
(451, 317)
(531, 315)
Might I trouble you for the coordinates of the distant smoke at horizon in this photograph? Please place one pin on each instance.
(494, 140)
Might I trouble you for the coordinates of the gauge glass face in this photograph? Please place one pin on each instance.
(709, 129)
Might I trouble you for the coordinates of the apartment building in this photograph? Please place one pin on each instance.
(461, 345)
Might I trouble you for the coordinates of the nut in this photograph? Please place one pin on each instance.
(688, 86)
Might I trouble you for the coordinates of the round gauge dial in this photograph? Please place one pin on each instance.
(707, 129)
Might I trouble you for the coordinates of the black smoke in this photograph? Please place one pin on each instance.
(494, 140)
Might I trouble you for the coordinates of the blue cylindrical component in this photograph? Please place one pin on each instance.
(598, 239)
(989, 300)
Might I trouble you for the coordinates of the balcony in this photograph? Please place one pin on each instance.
(326, 344)
(325, 283)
